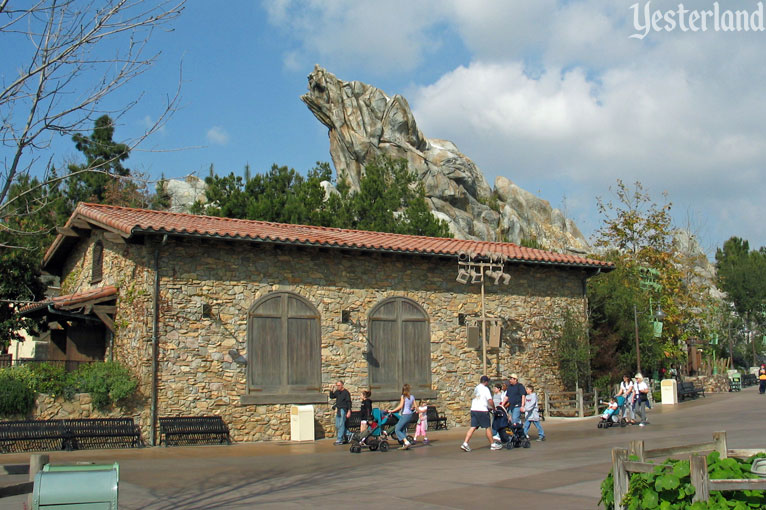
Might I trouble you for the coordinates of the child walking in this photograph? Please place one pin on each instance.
(531, 414)
(422, 426)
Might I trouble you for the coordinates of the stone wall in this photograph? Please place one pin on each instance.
(81, 406)
(197, 375)
(712, 383)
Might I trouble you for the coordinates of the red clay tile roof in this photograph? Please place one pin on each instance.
(67, 300)
(129, 222)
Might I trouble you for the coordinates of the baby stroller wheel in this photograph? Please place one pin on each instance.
(410, 439)
(355, 449)
(526, 443)
(373, 447)
(383, 446)
(623, 422)
(509, 445)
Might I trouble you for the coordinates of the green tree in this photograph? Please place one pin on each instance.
(389, 199)
(741, 273)
(20, 282)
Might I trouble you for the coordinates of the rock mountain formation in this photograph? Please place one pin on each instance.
(365, 123)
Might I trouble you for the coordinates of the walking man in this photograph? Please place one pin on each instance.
(480, 406)
(515, 398)
(342, 410)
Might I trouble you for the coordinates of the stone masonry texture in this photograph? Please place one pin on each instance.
(198, 377)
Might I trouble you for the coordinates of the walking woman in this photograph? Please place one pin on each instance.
(627, 390)
(642, 394)
(405, 416)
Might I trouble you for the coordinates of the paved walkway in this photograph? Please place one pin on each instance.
(564, 472)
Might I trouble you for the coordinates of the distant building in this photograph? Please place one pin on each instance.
(244, 318)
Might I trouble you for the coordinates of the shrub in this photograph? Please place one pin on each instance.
(16, 396)
(53, 380)
(108, 383)
(670, 489)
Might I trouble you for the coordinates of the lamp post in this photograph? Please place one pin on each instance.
(648, 281)
(472, 268)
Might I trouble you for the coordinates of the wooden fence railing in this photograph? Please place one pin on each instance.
(569, 403)
(622, 467)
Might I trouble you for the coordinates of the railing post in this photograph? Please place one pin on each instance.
(719, 438)
(547, 405)
(620, 476)
(580, 407)
(595, 401)
(637, 448)
(699, 478)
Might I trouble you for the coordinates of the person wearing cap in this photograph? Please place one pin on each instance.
(762, 380)
(480, 406)
(642, 392)
(515, 398)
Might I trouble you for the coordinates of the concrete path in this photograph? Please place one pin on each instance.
(563, 472)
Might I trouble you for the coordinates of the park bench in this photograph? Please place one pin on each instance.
(699, 388)
(435, 421)
(687, 390)
(81, 434)
(76, 434)
(749, 380)
(31, 435)
(193, 430)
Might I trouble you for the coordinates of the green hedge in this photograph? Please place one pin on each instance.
(671, 489)
(108, 383)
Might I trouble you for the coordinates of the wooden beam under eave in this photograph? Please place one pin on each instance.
(114, 238)
(67, 232)
(78, 223)
(104, 308)
(108, 322)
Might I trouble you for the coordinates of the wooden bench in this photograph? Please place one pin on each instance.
(686, 390)
(193, 430)
(90, 433)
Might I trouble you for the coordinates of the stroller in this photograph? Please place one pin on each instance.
(612, 417)
(511, 434)
(374, 437)
(389, 425)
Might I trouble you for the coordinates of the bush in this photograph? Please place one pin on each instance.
(108, 383)
(670, 489)
(16, 395)
(53, 380)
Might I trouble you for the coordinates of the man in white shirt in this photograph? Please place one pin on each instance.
(480, 406)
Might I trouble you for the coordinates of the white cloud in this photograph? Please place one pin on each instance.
(217, 135)
(382, 37)
(557, 95)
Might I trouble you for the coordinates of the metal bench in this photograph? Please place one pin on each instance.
(91, 433)
(31, 435)
(435, 421)
(687, 390)
(77, 434)
(193, 430)
(749, 380)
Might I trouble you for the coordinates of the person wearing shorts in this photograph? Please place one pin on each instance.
(480, 406)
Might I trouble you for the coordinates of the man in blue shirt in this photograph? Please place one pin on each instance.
(515, 398)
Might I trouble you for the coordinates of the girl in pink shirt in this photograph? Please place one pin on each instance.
(422, 427)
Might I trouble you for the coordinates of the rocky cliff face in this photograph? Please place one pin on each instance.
(365, 123)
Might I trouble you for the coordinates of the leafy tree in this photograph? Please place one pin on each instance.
(742, 275)
(389, 199)
(637, 235)
(20, 282)
(573, 352)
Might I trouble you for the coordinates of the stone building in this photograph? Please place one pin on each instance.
(245, 318)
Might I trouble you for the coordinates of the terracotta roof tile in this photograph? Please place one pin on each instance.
(59, 302)
(128, 222)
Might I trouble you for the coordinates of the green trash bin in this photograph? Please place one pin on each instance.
(76, 487)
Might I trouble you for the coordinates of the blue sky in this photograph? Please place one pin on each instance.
(551, 94)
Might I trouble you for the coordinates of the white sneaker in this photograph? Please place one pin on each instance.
(496, 446)
(465, 447)
(641, 424)
(496, 437)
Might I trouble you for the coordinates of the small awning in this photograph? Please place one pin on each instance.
(79, 305)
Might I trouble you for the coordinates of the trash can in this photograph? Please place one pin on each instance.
(669, 391)
(302, 423)
(76, 487)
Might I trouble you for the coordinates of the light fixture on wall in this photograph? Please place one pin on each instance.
(463, 276)
(237, 358)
